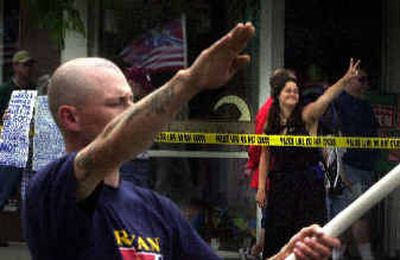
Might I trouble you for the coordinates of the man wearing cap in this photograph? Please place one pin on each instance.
(22, 78)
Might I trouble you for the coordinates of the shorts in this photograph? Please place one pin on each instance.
(361, 181)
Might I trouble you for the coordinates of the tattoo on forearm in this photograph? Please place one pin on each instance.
(108, 129)
(111, 126)
(158, 103)
(161, 100)
(85, 160)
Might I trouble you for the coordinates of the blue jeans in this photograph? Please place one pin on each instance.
(360, 179)
(10, 179)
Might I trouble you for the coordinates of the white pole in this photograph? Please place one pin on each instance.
(360, 206)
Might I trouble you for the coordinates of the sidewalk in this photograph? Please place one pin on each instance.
(15, 251)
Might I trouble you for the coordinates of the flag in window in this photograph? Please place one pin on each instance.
(160, 49)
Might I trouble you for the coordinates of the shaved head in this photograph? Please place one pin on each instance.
(75, 81)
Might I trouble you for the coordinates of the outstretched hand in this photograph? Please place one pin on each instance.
(352, 71)
(309, 243)
(218, 63)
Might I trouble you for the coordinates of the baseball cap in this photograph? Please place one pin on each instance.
(22, 57)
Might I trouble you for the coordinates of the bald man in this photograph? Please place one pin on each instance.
(79, 208)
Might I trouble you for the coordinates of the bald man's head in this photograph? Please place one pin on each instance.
(75, 81)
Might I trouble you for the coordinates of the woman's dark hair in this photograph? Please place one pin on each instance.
(277, 82)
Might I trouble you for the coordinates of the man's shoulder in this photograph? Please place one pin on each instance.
(58, 162)
(50, 171)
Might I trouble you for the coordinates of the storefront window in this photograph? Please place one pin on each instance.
(213, 191)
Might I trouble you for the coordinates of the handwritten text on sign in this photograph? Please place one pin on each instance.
(48, 143)
(14, 146)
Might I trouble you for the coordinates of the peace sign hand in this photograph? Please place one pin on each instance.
(352, 71)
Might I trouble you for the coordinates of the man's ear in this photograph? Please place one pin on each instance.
(69, 118)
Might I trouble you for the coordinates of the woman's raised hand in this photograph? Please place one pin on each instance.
(352, 71)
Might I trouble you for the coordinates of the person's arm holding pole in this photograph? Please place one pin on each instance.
(360, 206)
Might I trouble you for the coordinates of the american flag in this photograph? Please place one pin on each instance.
(161, 49)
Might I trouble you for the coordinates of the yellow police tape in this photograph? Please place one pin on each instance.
(278, 140)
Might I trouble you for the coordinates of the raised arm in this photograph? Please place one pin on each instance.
(313, 111)
(134, 130)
